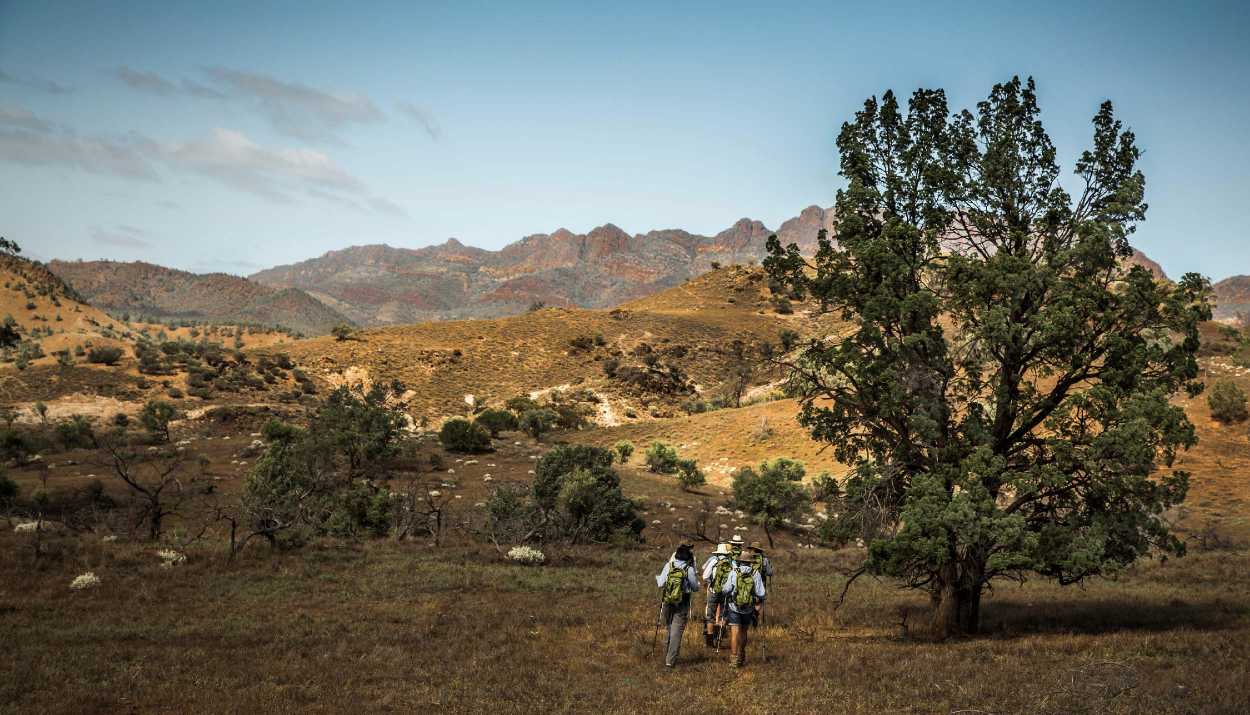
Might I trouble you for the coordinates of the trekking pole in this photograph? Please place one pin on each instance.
(655, 634)
(763, 639)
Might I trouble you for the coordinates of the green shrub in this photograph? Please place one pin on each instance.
(342, 332)
(562, 460)
(8, 490)
(155, 418)
(496, 421)
(661, 458)
(521, 404)
(689, 475)
(1227, 402)
(624, 450)
(104, 355)
(538, 422)
(773, 494)
(75, 432)
(461, 435)
(362, 429)
(825, 488)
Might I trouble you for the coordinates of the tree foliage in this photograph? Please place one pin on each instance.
(1004, 392)
(772, 494)
(461, 435)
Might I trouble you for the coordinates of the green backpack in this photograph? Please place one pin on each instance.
(672, 591)
(744, 598)
(719, 572)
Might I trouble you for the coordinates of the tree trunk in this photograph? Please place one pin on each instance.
(956, 603)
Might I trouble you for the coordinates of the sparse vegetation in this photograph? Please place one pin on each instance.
(661, 458)
(461, 435)
(104, 355)
(624, 450)
(1227, 402)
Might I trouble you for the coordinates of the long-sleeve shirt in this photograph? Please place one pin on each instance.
(709, 566)
(690, 584)
(731, 584)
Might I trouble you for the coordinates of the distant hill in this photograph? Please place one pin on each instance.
(1232, 300)
(156, 292)
(379, 285)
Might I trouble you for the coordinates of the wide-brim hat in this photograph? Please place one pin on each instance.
(737, 540)
(722, 549)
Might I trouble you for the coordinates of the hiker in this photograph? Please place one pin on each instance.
(763, 564)
(715, 569)
(755, 555)
(743, 590)
(677, 581)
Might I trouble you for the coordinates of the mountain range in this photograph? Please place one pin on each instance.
(379, 284)
(383, 285)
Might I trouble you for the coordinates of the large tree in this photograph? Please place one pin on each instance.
(1003, 389)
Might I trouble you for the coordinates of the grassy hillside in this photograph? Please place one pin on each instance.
(690, 327)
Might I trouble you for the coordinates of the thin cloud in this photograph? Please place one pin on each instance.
(225, 156)
(152, 83)
(124, 157)
(423, 119)
(146, 81)
(22, 118)
(36, 83)
(120, 237)
(230, 158)
(296, 109)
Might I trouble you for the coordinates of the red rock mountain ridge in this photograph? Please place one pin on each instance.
(159, 293)
(379, 284)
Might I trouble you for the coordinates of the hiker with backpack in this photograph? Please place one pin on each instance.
(762, 563)
(743, 591)
(715, 569)
(676, 582)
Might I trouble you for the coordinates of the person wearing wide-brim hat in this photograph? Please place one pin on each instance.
(763, 564)
(712, 616)
(743, 593)
(736, 544)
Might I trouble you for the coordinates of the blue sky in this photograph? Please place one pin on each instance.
(234, 136)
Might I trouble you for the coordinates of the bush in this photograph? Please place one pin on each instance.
(661, 458)
(155, 418)
(8, 491)
(562, 460)
(104, 355)
(75, 432)
(689, 475)
(342, 332)
(537, 422)
(496, 421)
(610, 366)
(624, 450)
(789, 339)
(1227, 402)
(825, 488)
(592, 508)
(363, 429)
(521, 404)
(461, 435)
(773, 494)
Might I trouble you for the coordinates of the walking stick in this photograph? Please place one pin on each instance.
(763, 639)
(655, 634)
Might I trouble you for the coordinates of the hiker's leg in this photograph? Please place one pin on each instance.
(744, 629)
(676, 627)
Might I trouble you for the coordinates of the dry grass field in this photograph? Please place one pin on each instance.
(381, 627)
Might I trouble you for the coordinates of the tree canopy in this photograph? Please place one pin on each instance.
(1003, 390)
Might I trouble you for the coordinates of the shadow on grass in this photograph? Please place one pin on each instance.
(1010, 618)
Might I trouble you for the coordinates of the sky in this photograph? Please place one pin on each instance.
(231, 136)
